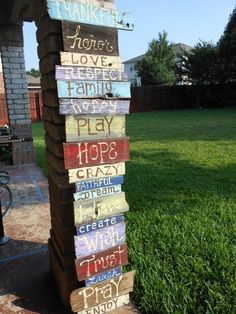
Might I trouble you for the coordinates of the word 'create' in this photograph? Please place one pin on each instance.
(88, 13)
(94, 127)
(90, 39)
(84, 298)
(100, 262)
(94, 153)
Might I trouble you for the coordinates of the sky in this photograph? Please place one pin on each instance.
(186, 21)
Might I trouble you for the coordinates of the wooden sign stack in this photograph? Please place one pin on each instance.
(94, 96)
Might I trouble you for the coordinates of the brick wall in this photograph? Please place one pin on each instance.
(16, 91)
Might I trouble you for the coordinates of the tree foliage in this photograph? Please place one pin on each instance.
(33, 72)
(157, 67)
(201, 64)
(227, 51)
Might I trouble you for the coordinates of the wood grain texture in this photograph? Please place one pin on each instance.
(98, 183)
(90, 211)
(91, 153)
(73, 73)
(88, 60)
(90, 39)
(99, 224)
(93, 107)
(99, 192)
(107, 275)
(84, 298)
(101, 262)
(94, 127)
(99, 240)
(93, 89)
(89, 13)
(111, 306)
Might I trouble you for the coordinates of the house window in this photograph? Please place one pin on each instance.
(131, 69)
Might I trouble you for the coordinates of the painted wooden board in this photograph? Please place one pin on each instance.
(94, 127)
(99, 224)
(85, 298)
(72, 73)
(90, 39)
(99, 240)
(114, 272)
(109, 306)
(88, 60)
(93, 89)
(91, 153)
(88, 13)
(90, 211)
(99, 192)
(101, 262)
(98, 183)
(93, 106)
(100, 171)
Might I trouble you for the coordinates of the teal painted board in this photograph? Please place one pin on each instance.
(88, 12)
(93, 89)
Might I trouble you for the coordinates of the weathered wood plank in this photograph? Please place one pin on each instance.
(84, 298)
(90, 211)
(98, 183)
(93, 89)
(93, 107)
(90, 39)
(109, 306)
(99, 240)
(99, 192)
(72, 73)
(91, 153)
(100, 171)
(88, 12)
(87, 60)
(101, 262)
(94, 127)
(99, 224)
(114, 272)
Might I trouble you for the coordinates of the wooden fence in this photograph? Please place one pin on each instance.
(36, 104)
(151, 98)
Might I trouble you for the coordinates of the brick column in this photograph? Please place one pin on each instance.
(61, 242)
(16, 88)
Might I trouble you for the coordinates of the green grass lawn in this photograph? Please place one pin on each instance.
(181, 228)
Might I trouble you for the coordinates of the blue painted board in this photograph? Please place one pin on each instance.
(115, 272)
(93, 89)
(85, 185)
(89, 13)
(99, 224)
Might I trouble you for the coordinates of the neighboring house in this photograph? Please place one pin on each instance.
(33, 83)
(130, 65)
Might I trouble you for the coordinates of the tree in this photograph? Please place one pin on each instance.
(157, 67)
(201, 64)
(227, 51)
(33, 72)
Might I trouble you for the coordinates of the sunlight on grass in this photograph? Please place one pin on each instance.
(181, 228)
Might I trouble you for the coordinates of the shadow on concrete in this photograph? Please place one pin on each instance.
(27, 285)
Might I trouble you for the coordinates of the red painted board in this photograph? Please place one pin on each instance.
(100, 262)
(91, 153)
